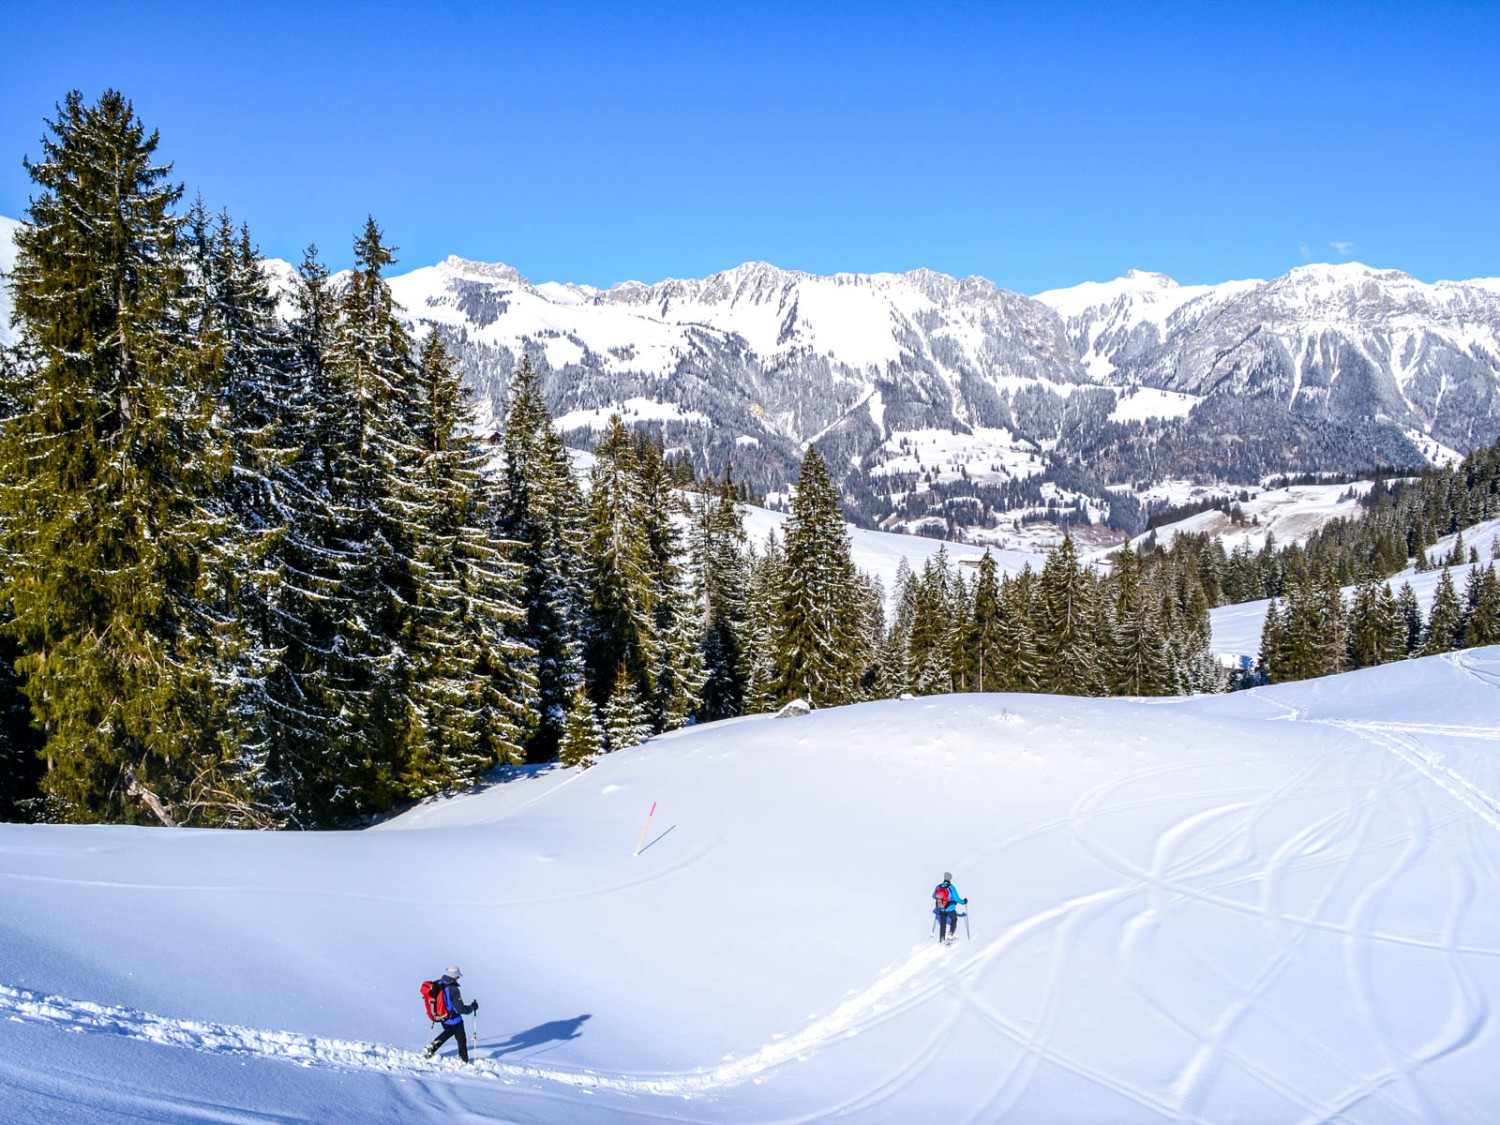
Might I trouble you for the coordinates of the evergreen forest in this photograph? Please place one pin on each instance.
(257, 570)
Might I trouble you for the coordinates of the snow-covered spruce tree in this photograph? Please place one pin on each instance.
(540, 509)
(1374, 626)
(372, 460)
(928, 657)
(984, 641)
(1410, 627)
(758, 657)
(818, 639)
(234, 315)
(1020, 601)
(318, 689)
(1444, 618)
(1138, 662)
(583, 737)
(621, 634)
(1298, 655)
(1272, 638)
(677, 617)
(1069, 649)
(1333, 637)
(626, 721)
(112, 541)
(1481, 619)
(472, 684)
(721, 589)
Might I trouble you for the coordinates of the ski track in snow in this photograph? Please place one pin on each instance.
(855, 1013)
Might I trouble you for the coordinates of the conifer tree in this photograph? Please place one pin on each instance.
(626, 722)
(722, 590)
(541, 510)
(1411, 618)
(1333, 644)
(820, 647)
(109, 468)
(963, 669)
(1299, 656)
(1481, 617)
(677, 616)
(1138, 663)
(1020, 602)
(1444, 618)
(1372, 625)
(985, 642)
(473, 688)
(373, 457)
(758, 658)
(927, 655)
(20, 743)
(233, 315)
(1272, 641)
(583, 737)
(1069, 649)
(317, 690)
(621, 633)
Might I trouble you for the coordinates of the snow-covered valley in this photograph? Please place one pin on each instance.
(1277, 905)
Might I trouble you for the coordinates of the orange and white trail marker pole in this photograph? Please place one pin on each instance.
(644, 830)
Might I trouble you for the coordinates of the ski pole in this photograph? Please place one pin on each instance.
(967, 936)
(644, 830)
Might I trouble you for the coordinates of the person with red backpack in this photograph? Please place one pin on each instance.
(445, 1005)
(946, 902)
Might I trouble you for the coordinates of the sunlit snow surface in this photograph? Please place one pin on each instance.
(1279, 905)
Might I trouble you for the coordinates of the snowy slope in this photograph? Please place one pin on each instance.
(1291, 514)
(1272, 906)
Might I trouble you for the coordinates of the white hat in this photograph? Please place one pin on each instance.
(452, 971)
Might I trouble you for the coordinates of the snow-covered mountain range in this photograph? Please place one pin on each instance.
(950, 404)
(1334, 340)
(946, 401)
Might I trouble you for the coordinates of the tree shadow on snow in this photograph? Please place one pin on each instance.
(556, 1031)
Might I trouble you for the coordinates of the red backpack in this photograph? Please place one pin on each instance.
(942, 895)
(435, 999)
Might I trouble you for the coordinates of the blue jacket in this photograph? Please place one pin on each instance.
(454, 999)
(953, 899)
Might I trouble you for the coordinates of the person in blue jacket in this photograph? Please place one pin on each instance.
(453, 1022)
(945, 904)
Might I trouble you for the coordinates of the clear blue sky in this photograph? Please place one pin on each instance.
(1038, 145)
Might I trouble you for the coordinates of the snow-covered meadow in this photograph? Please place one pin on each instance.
(1278, 905)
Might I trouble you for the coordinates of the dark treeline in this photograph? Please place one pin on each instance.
(1311, 629)
(258, 571)
(1317, 631)
(1398, 523)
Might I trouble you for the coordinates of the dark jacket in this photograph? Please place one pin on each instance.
(454, 999)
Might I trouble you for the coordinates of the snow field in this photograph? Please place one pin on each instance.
(1272, 906)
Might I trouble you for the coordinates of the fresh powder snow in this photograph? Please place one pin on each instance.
(1271, 906)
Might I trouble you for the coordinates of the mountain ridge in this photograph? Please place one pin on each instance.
(954, 406)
